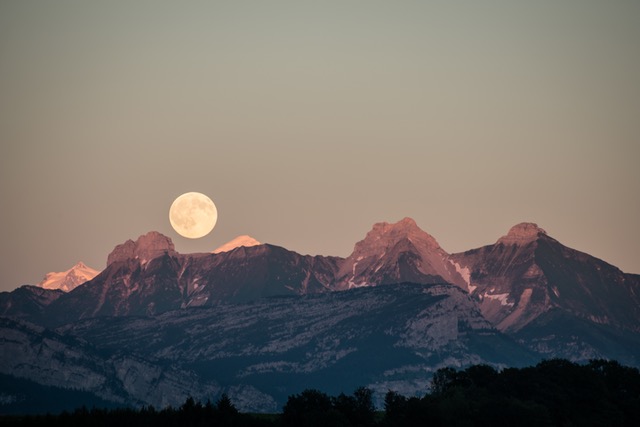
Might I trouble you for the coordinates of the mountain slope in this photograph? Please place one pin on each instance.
(49, 358)
(527, 273)
(248, 273)
(557, 300)
(385, 337)
(27, 302)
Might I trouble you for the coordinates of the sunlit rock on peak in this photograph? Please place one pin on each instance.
(404, 224)
(524, 232)
(390, 233)
(397, 252)
(145, 248)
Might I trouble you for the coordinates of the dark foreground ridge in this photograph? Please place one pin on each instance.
(552, 393)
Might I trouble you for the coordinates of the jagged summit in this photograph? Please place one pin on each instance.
(384, 233)
(244, 240)
(522, 233)
(145, 248)
(69, 279)
(396, 252)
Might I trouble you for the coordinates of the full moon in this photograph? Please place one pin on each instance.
(193, 215)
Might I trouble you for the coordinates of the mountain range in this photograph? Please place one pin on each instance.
(259, 322)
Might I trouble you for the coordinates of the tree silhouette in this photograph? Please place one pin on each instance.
(553, 393)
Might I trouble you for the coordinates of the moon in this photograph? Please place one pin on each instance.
(193, 215)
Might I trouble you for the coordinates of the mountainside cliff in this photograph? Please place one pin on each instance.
(394, 253)
(260, 352)
(527, 273)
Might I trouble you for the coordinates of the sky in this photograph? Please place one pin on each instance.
(308, 122)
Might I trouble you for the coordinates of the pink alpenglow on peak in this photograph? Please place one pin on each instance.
(244, 240)
(394, 253)
(145, 248)
(68, 280)
(522, 233)
(405, 228)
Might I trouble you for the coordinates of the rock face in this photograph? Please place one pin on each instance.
(133, 286)
(527, 273)
(260, 352)
(49, 358)
(70, 279)
(523, 233)
(394, 253)
(144, 249)
(247, 273)
(562, 302)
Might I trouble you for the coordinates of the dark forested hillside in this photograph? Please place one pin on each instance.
(553, 393)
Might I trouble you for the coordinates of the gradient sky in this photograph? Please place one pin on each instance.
(306, 122)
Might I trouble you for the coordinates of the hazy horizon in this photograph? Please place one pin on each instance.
(306, 123)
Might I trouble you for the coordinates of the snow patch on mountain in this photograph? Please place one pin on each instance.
(499, 297)
(244, 240)
(70, 279)
(465, 273)
(519, 314)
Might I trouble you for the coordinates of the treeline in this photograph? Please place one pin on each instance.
(190, 414)
(553, 393)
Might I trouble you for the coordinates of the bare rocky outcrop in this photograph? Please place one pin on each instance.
(145, 248)
(397, 252)
(267, 348)
(49, 358)
(522, 233)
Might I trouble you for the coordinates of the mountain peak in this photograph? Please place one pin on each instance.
(243, 240)
(145, 248)
(397, 252)
(524, 232)
(70, 279)
(392, 232)
(404, 223)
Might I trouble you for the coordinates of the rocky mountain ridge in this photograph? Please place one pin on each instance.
(515, 281)
(247, 318)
